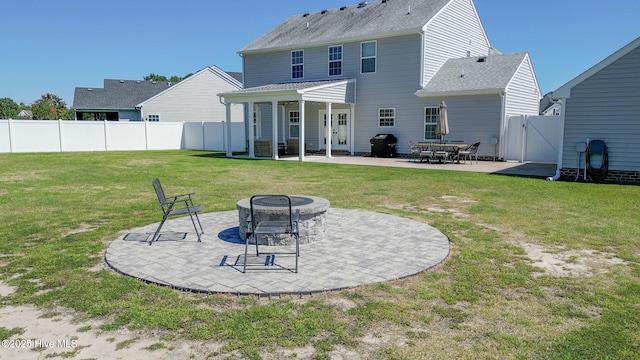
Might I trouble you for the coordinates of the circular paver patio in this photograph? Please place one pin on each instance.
(361, 247)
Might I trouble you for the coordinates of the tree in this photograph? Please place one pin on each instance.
(155, 77)
(174, 79)
(51, 106)
(8, 109)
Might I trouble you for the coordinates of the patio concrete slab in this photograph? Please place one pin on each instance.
(538, 170)
(361, 247)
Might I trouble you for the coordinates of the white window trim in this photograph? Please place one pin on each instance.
(395, 118)
(292, 64)
(424, 122)
(257, 131)
(341, 61)
(375, 56)
(292, 123)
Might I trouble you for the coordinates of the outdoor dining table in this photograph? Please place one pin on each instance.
(447, 149)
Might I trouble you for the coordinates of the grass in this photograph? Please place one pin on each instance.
(60, 211)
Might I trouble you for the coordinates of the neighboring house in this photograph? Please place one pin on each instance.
(382, 67)
(116, 101)
(549, 106)
(192, 99)
(25, 114)
(603, 103)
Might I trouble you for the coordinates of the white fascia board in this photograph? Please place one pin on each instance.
(225, 76)
(430, 94)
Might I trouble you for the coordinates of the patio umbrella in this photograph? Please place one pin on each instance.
(442, 126)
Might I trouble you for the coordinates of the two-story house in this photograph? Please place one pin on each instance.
(381, 67)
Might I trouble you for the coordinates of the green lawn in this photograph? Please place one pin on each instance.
(60, 211)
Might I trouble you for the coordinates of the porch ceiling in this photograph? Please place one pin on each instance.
(329, 91)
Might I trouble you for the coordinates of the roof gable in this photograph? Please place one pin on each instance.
(227, 77)
(366, 20)
(565, 90)
(474, 75)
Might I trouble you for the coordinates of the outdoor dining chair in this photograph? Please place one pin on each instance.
(469, 152)
(285, 225)
(176, 205)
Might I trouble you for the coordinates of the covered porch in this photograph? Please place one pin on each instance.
(296, 111)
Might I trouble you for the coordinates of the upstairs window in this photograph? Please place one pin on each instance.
(297, 64)
(368, 52)
(335, 60)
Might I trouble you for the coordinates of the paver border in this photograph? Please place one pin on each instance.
(361, 247)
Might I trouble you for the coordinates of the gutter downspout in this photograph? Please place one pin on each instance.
(556, 177)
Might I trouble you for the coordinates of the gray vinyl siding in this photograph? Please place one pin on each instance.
(344, 93)
(606, 106)
(451, 34)
(194, 99)
(523, 96)
(394, 83)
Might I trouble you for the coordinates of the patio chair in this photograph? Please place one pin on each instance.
(469, 152)
(285, 225)
(415, 151)
(176, 205)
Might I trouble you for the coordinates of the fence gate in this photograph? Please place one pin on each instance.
(533, 138)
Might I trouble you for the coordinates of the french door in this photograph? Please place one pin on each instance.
(340, 126)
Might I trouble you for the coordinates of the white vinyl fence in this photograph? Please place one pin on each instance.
(18, 136)
(533, 138)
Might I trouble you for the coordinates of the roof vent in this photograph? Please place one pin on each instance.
(121, 81)
(153, 82)
(305, 15)
(362, 4)
(323, 12)
(342, 8)
(482, 59)
(89, 89)
(384, 1)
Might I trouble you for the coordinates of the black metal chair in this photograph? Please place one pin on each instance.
(286, 224)
(176, 205)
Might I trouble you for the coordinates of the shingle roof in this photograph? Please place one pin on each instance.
(379, 18)
(117, 94)
(475, 74)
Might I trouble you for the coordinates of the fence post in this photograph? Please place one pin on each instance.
(204, 136)
(60, 135)
(146, 135)
(11, 136)
(106, 135)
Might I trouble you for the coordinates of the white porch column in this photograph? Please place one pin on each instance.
(274, 128)
(329, 131)
(252, 135)
(352, 130)
(228, 132)
(301, 133)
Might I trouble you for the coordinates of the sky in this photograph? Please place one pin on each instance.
(56, 46)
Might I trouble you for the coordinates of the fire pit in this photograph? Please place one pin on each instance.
(312, 224)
